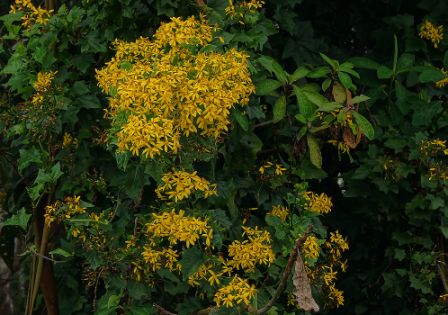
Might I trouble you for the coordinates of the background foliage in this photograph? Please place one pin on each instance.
(393, 216)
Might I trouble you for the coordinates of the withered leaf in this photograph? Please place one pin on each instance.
(302, 287)
(349, 138)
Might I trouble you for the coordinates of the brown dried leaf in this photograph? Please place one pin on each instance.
(349, 138)
(302, 287)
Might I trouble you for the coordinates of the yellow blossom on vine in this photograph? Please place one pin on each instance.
(167, 88)
(431, 32)
(317, 203)
(280, 211)
(238, 291)
(311, 247)
(179, 185)
(256, 249)
(177, 227)
(31, 13)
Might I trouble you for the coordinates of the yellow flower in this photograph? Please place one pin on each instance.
(32, 14)
(255, 250)
(243, 7)
(179, 185)
(177, 227)
(317, 203)
(238, 291)
(431, 32)
(311, 247)
(42, 86)
(279, 211)
(337, 296)
(169, 89)
(442, 83)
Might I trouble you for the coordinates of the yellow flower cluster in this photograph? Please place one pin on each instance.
(442, 83)
(69, 140)
(177, 227)
(432, 151)
(179, 185)
(32, 14)
(167, 256)
(278, 169)
(434, 147)
(431, 32)
(92, 234)
(238, 291)
(317, 203)
(168, 87)
(326, 272)
(42, 85)
(256, 249)
(59, 210)
(280, 211)
(237, 11)
(205, 271)
(311, 247)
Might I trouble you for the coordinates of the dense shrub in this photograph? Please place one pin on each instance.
(224, 157)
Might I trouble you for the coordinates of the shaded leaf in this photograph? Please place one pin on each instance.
(364, 125)
(279, 109)
(314, 149)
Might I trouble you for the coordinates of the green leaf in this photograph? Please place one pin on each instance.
(318, 72)
(267, 87)
(273, 66)
(384, 72)
(364, 125)
(364, 63)
(20, 219)
(279, 109)
(431, 75)
(315, 98)
(241, 119)
(29, 156)
(314, 149)
(345, 80)
(358, 99)
(329, 107)
(192, 258)
(44, 177)
(406, 60)
(333, 63)
(306, 108)
(60, 252)
(300, 73)
(89, 101)
(326, 84)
